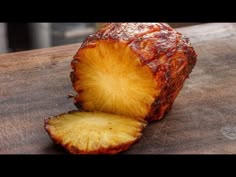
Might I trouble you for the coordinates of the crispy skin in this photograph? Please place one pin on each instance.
(94, 132)
(167, 53)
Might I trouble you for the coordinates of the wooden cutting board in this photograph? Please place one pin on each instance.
(35, 85)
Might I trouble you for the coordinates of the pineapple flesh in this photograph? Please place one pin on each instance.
(111, 79)
(94, 132)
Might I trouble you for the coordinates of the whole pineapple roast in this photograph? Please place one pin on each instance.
(126, 75)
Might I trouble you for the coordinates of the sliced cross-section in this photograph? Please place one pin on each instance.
(94, 132)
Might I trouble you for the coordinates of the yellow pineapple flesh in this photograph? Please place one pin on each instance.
(112, 79)
(94, 132)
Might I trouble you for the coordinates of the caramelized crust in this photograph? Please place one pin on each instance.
(165, 52)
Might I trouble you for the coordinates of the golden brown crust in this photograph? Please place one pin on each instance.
(167, 53)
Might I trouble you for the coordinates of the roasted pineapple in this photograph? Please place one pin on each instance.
(132, 69)
(126, 74)
(94, 132)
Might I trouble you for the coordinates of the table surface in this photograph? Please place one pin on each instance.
(35, 85)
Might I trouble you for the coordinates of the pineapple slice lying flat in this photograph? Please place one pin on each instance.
(94, 132)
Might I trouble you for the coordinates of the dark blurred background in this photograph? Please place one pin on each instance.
(26, 36)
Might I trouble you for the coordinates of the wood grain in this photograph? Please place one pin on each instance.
(35, 85)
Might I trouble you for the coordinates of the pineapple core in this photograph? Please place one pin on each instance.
(112, 79)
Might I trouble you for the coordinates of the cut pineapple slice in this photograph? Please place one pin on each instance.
(94, 132)
(112, 79)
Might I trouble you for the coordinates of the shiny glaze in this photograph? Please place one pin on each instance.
(167, 53)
